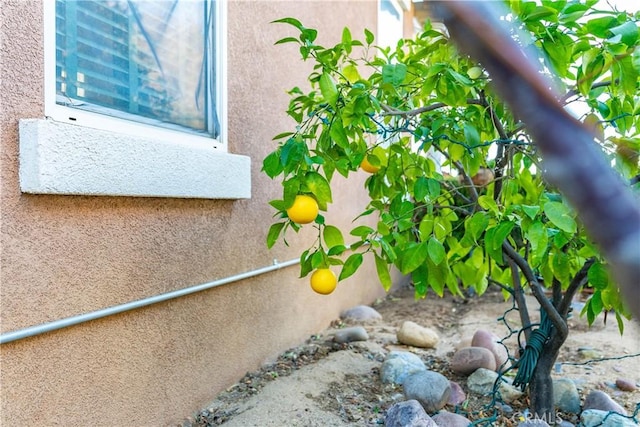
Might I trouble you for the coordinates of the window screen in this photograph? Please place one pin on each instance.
(147, 61)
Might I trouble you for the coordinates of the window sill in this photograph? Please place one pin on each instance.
(60, 158)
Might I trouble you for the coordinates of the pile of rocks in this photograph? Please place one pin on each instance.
(481, 360)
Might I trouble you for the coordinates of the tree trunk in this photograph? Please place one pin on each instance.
(541, 385)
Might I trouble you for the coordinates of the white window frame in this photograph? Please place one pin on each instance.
(388, 37)
(80, 152)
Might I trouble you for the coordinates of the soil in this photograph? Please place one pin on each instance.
(323, 383)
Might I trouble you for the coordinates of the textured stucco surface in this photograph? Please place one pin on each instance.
(67, 255)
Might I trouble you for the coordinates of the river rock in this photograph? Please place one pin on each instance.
(482, 382)
(346, 335)
(430, 388)
(361, 313)
(399, 365)
(491, 342)
(457, 394)
(625, 384)
(411, 333)
(467, 360)
(408, 414)
(449, 419)
(565, 395)
(600, 400)
(597, 418)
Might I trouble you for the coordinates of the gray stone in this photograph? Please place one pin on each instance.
(600, 400)
(429, 388)
(457, 394)
(597, 418)
(411, 333)
(626, 385)
(408, 414)
(491, 342)
(449, 419)
(469, 359)
(361, 313)
(399, 365)
(565, 395)
(482, 382)
(355, 333)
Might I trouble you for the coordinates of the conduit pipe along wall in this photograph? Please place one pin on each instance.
(120, 308)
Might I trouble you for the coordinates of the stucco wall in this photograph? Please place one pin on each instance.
(67, 255)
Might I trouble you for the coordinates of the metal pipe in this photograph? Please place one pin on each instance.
(81, 318)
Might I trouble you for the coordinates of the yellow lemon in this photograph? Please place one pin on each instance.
(366, 166)
(323, 281)
(304, 209)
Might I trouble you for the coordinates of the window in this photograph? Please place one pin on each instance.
(146, 61)
(390, 22)
(135, 99)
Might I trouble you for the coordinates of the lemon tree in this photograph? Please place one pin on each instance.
(483, 215)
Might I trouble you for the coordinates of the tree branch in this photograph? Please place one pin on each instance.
(578, 281)
(574, 92)
(518, 295)
(390, 111)
(536, 289)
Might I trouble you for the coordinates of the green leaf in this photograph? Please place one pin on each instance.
(487, 203)
(537, 237)
(421, 188)
(414, 256)
(494, 237)
(394, 73)
(620, 323)
(338, 134)
(434, 188)
(369, 37)
(290, 21)
(336, 250)
(350, 266)
(599, 26)
(332, 236)
(635, 59)
(383, 272)
(540, 13)
(531, 211)
(598, 276)
(271, 165)
(350, 72)
(328, 89)
(560, 215)
(320, 188)
(362, 231)
(471, 135)
(346, 39)
(436, 251)
(628, 32)
(477, 224)
(287, 40)
(274, 233)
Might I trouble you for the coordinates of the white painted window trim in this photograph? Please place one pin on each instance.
(84, 153)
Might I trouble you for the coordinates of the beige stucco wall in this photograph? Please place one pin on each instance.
(67, 255)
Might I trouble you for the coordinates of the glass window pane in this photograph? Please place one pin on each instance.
(148, 61)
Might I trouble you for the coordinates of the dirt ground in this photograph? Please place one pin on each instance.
(322, 383)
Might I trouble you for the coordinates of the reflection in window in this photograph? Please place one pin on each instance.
(148, 61)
